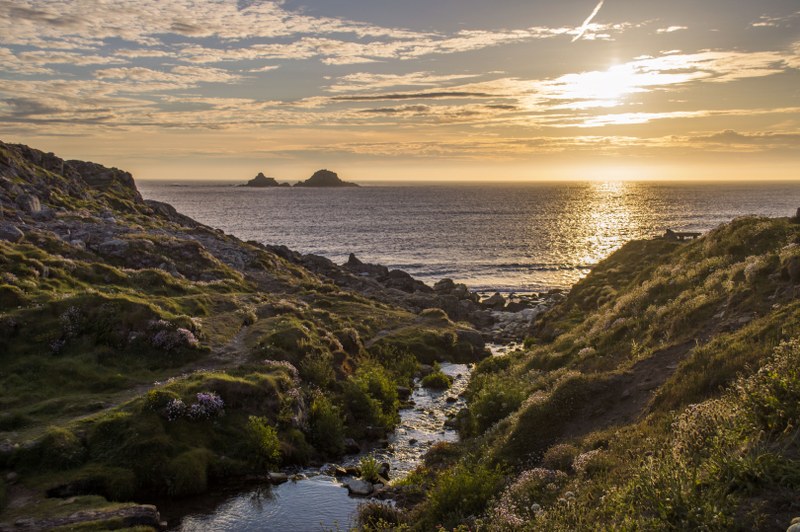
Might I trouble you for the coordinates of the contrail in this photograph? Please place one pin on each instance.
(588, 21)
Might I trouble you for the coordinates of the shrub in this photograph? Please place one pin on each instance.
(371, 397)
(374, 515)
(208, 405)
(317, 369)
(158, 400)
(370, 468)
(527, 496)
(262, 442)
(772, 396)
(495, 400)
(437, 380)
(461, 492)
(326, 426)
(560, 457)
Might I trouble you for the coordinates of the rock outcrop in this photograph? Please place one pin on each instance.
(325, 179)
(262, 181)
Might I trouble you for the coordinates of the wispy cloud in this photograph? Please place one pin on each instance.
(671, 29)
(588, 21)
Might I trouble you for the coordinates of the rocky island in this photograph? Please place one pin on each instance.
(262, 181)
(324, 179)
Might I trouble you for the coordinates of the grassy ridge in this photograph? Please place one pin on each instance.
(145, 354)
(661, 395)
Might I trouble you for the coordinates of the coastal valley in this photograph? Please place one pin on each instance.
(148, 357)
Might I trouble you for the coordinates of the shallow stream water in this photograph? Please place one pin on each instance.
(321, 502)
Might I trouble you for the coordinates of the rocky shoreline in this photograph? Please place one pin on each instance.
(499, 318)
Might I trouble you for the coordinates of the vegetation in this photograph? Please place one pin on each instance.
(660, 395)
(145, 354)
(437, 379)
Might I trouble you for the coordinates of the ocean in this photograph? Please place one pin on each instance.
(506, 237)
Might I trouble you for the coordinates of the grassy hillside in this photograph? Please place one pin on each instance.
(662, 394)
(144, 354)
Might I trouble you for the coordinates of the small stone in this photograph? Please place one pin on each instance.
(12, 477)
(451, 399)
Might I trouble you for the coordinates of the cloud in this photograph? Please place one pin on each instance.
(411, 96)
(177, 77)
(672, 29)
(767, 21)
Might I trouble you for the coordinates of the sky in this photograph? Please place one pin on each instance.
(408, 89)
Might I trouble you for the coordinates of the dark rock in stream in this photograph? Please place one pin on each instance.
(278, 478)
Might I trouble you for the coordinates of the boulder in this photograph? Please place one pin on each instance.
(29, 203)
(496, 301)
(333, 470)
(357, 486)
(792, 268)
(351, 446)
(114, 247)
(444, 285)
(278, 478)
(383, 470)
(10, 232)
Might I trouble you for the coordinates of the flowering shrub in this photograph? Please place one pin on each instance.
(71, 322)
(284, 365)
(524, 499)
(175, 409)
(590, 462)
(586, 352)
(208, 405)
(168, 337)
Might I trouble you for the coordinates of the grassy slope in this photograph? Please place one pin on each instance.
(661, 395)
(84, 334)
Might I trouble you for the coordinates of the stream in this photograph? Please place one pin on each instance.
(320, 502)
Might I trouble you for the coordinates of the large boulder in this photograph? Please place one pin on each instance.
(29, 203)
(357, 486)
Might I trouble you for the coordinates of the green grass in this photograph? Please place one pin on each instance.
(713, 445)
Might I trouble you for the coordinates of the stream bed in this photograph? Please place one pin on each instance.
(320, 502)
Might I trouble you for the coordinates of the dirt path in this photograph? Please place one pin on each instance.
(625, 397)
